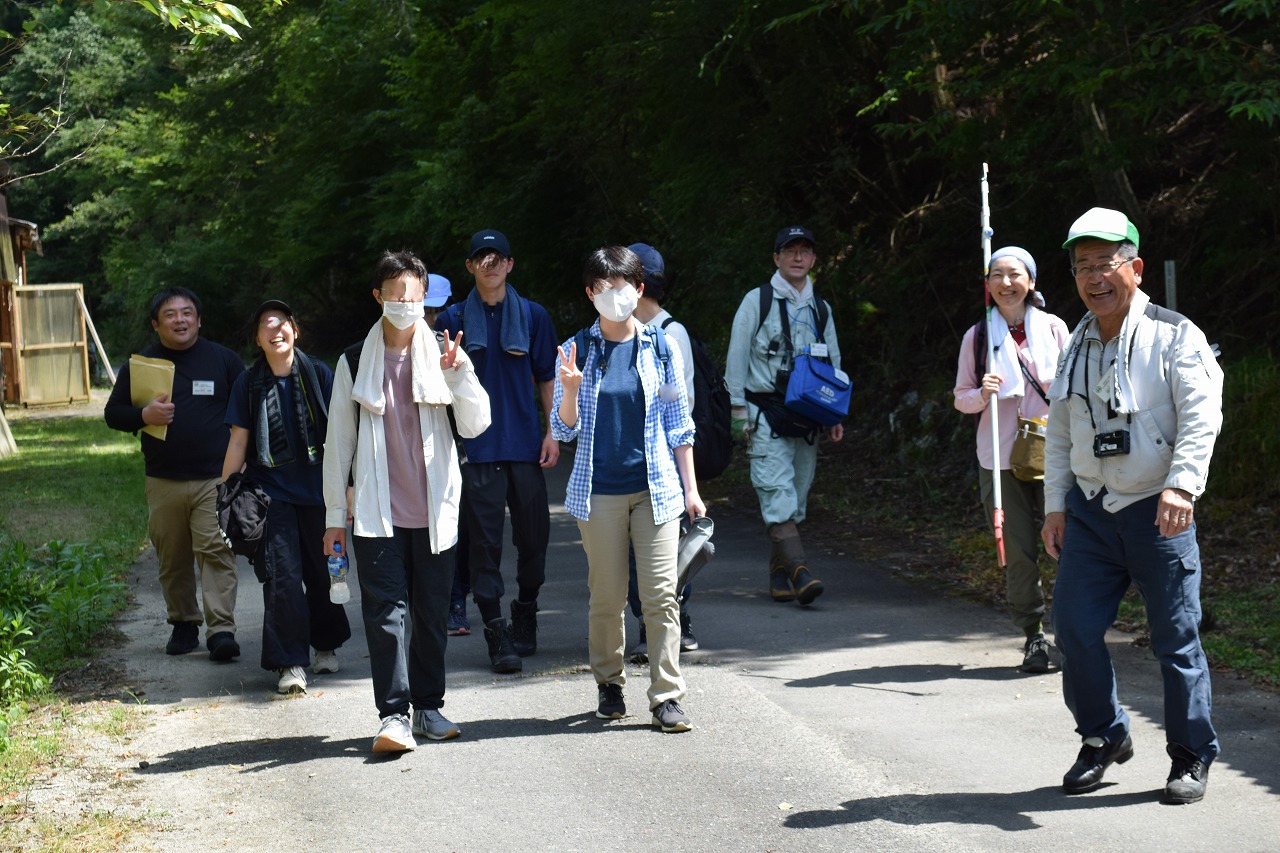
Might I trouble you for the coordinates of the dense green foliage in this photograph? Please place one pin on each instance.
(281, 164)
(72, 479)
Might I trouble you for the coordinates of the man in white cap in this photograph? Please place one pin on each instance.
(1134, 413)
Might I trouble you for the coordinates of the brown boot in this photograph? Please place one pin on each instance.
(779, 578)
(805, 585)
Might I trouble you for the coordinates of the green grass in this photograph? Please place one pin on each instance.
(75, 480)
(73, 518)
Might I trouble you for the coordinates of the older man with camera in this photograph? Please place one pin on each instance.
(1135, 410)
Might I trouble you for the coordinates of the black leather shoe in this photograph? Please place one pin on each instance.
(1187, 778)
(502, 651)
(524, 627)
(1086, 774)
(223, 646)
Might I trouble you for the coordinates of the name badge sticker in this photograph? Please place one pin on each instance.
(202, 387)
(818, 350)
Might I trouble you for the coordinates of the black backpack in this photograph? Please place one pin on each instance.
(713, 444)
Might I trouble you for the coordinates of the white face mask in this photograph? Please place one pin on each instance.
(617, 305)
(402, 314)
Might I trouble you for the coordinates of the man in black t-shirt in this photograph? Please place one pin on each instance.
(183, 471)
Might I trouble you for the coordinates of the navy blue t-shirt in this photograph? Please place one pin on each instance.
(511, 381)
(295, 482)
(618, 464)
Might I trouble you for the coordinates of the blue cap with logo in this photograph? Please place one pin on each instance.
(792, 233)
(438, 291)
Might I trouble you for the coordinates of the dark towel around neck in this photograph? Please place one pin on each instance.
(514, 333)
(310, 416)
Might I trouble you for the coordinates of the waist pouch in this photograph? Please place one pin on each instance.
(818, 391)
(785, 422)
(1026, 457)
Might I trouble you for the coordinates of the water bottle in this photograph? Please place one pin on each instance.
(339, 592)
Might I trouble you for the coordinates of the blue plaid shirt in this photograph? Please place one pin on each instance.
(667, 425)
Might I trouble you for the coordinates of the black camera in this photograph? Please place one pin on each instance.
(1111, 444)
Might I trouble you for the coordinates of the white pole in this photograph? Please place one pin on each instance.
(1171, 285)
(102, 353)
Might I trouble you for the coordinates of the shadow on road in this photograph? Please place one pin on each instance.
(1010, 812)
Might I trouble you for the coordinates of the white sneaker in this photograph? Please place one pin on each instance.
(292, 680)
(395, 735)
(325, 662)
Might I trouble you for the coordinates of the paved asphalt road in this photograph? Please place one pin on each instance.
(885, 717)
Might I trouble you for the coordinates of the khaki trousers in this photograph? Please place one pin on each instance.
(618, 521)
(183, 526)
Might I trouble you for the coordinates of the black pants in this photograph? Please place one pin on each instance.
(400, 578)
(489, 488)
(297, 613)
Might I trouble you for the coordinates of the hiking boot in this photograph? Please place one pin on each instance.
(394, 735)
(1187, 778)
(671, 718)
(1095, 757)
(688, 642)
(780, 584)
(325, 662)
(223, 646)
(640, 654)
(611, 706)
(524, 627)
(292, 680)
(431, 724)
(502, 652)
(807, 587)
(185, 638)
(1035, 654)
(458, 625)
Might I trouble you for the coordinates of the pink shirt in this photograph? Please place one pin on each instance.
(968, 393)
(406, 465)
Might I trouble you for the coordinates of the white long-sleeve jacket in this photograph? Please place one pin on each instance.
(356, 442)
(1166, 389)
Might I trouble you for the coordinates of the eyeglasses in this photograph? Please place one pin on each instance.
(797, 251)
(1100, 269)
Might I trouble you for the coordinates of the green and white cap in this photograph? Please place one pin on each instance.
(1102, 224)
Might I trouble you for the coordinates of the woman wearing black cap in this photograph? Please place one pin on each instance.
(278, 414)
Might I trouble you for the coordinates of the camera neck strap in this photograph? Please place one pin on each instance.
(1088, 399)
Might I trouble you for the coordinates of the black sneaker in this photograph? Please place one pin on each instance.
(223, 646)
(612, 706)
(640, 654)
(185, 638)
(502, 652)
(671, 718)
(1035, 654)
(1092, 762)
(524, 627)
(1187, 778)
(688, 642)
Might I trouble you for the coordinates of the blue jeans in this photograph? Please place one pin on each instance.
(399, 578)
(1102, 554)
